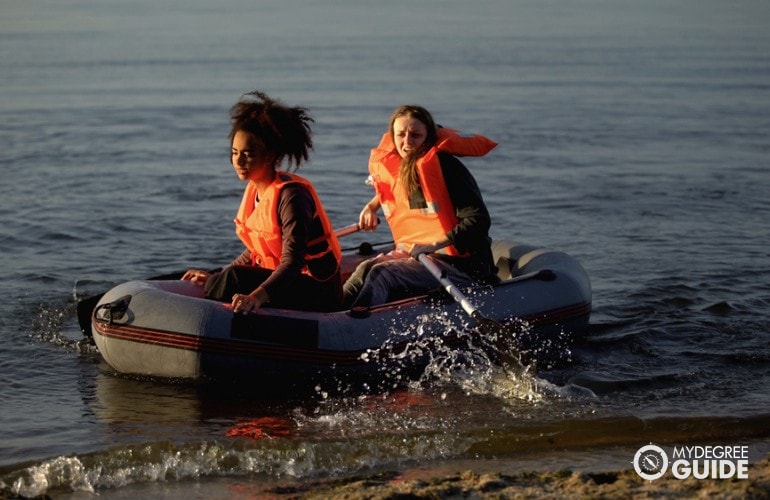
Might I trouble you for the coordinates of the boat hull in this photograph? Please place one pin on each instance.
(166, 328)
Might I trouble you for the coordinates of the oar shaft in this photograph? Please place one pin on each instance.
(459, 297)
(448, 285)
(343, 231)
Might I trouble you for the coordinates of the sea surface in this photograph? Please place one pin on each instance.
(633, 135)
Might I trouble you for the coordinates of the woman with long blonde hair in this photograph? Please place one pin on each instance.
(432, 204)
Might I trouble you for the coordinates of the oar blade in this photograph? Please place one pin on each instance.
(486, 325)
(501, 339)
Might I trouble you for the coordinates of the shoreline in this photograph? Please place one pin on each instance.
(465, 482)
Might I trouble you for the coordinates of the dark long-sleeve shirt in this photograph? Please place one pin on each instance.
(295, 215)
(471, 234)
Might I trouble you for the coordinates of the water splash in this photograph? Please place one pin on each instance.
(445, 348)
(48, 322)
(52, 323)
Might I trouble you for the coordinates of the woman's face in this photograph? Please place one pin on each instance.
(408, 134)
(249, 158)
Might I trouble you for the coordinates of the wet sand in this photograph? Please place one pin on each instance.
(562, 484)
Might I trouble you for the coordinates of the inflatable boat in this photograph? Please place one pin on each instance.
(165, 328)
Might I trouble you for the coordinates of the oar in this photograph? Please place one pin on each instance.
(343, 231)
(483, 322)
(86, 306)
(486, 325)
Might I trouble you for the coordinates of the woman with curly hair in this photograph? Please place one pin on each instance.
(292, 256)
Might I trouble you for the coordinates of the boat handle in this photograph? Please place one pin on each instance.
(114, 310)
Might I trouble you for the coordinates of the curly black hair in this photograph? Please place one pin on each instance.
(285, 131)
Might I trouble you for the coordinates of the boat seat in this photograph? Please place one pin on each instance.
(514, 259)
(505, 268)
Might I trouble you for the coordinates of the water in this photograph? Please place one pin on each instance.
(634, 136)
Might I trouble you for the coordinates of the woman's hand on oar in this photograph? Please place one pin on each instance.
(418, 249)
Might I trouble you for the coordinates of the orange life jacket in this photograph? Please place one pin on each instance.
(258, 227)
(422, 225)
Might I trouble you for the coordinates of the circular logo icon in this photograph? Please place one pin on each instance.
(650, 462)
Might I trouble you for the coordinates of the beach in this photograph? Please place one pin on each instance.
(561, 484)
(632, 136)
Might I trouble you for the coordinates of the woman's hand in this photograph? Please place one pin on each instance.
(245, 303)
(367, 219)
(418, 249)
(197, 276)
(249, 303)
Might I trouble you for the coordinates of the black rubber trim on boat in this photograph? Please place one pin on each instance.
(359, 312)
(280, 330)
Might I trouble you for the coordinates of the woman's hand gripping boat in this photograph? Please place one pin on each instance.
(165, 328)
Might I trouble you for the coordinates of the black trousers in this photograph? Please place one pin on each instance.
(307, 294)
